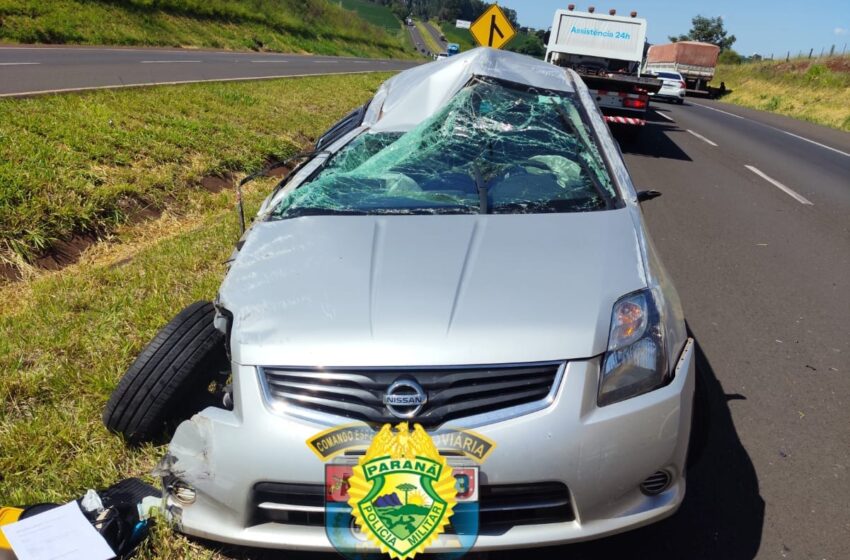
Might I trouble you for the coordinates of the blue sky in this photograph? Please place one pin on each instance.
(761, 26)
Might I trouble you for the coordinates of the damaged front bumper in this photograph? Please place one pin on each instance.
(601, 455)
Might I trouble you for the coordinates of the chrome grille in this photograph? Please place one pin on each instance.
(454, 392)
(501, 506)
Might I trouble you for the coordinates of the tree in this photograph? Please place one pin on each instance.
(729, 57)
(406, 487)
(707, 30)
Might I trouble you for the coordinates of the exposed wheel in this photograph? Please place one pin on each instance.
(171, 379)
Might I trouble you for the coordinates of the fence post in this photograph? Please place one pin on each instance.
(810, 52)
(788, 56)
(832, 50)
(821, 53)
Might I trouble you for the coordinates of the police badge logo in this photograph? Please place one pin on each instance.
(392, 492)
(402, 491)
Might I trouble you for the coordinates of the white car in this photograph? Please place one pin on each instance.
(673, 87)
(471, 237)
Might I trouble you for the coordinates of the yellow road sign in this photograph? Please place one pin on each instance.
(492, 29)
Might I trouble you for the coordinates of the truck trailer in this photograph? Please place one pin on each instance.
(607, 52)
(695, 61)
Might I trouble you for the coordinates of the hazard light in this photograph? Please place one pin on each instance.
(633, 103)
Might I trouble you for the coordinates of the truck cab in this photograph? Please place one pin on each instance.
(607, 52)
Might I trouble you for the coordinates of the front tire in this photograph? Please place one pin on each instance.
(170, 380)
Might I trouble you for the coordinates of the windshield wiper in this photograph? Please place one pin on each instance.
(601, 190)
(317, 211)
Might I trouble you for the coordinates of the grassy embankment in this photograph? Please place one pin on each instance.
(66, 337)
(84, 164)
(380, 16)
(314, 26)
(811, 90)
(460, 36)
(432, 45)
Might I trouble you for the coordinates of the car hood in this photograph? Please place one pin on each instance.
(429, 290)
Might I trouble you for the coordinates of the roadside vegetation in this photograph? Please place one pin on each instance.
(74, 167)
(66, 337)
(811, 90)
(380, 16)
(430, 42)
(314, 26)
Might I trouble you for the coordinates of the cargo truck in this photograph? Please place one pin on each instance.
(607, 52)
(695, 61)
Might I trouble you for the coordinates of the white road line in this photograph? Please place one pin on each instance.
(790, 192)
(836, 150)
(267, 61)
(166, 61)
(179, 82)
(720, 111)
(701, 137)
(18, 63)
(665, 116)
(326, 61)
(811, 141)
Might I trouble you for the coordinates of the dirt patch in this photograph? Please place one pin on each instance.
(9, 273)
(136, 211)
(217, 183)
(798, 66)
(65, 252)
(841, 65)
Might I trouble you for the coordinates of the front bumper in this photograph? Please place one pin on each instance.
(601, 455)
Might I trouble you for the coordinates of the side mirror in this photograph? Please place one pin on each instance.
(643, 196)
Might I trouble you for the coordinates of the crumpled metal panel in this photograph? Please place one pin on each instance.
(412, 96)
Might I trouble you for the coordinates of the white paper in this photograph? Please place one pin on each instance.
(62, 533)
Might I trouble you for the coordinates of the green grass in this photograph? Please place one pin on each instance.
(315, 26)
(67, 337)
(85, 163)
(376, 14)
(813, 90)
(460, 36)
(427, 37)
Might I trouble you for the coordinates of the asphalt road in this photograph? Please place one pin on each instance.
(418, 41)
(764, 277)
(29, 70)
(754, 227)
(435, 33)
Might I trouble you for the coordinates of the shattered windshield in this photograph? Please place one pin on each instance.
(493, 149)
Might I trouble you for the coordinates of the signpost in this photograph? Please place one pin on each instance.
(492, 29)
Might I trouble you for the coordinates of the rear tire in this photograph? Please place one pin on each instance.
(170, 380)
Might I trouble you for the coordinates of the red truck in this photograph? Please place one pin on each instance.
(695, 61)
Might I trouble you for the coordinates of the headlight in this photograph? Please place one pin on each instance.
(635, 362)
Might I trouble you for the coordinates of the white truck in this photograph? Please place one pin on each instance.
(607, 51)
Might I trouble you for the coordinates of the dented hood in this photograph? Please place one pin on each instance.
(429, 290)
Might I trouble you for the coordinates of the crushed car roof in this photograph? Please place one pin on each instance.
(410, 97)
